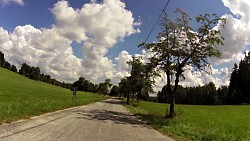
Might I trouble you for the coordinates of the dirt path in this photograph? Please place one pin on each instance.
(101, 121)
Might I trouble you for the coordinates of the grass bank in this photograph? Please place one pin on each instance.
(21, 97)
(221, 123)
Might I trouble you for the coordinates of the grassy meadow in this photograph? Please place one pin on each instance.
(21, 97)
(221, 123)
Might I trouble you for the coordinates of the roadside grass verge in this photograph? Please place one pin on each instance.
(208, 123)
(21, 97)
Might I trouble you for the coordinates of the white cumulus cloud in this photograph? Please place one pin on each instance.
(7, 2)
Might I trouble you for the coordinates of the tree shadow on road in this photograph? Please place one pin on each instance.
(110, 116)
(114, 101)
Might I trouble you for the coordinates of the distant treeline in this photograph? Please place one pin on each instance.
(199, 95)
(32, 73)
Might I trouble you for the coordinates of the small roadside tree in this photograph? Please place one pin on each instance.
(179, 46)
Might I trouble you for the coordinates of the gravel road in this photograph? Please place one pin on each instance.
(101, 121)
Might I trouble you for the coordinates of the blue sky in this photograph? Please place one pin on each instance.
(50, 24)
(38, 14)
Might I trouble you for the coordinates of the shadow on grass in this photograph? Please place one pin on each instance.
(157, 120)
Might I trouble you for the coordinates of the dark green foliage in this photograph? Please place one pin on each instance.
(114, 91)
(162, 95)
(45, 78)
(222, 94)
(141, 79)
(205, 95)
(124, 87)
(199, 95)
(211, 94)
(180, 94)
(84, 85)
(24, 70)
(7, 65)
(239, 87)
(30, 72)
(2, 60)
(104, 87)
(14, 69)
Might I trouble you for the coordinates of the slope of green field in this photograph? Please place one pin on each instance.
(21, 97)
(222, 123)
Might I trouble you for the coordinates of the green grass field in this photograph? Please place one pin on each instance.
(222, 123)
(21, 97)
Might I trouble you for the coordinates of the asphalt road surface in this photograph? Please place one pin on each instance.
(101, 121)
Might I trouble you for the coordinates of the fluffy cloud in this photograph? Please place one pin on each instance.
(44, 48)
(239, 8)
(98, 26)
(236, 30)
(7, 2)
(237, 38)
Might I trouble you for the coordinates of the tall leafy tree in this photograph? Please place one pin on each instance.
(25, 69)
(239, 82)
(233, 85)
(84, 85)
(7, 65)
(244, 79)
(14, 69)
(141, 80)
(179, 45)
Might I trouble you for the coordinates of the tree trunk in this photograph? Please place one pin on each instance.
(169, 91)
(133, 97)
(128, 98)
(172, 102)
(138, 97)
